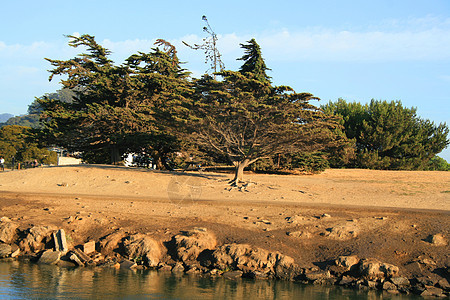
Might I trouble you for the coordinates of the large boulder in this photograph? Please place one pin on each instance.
(189, 244)
(5, 250)
(142, 247)
(437, 239)
(251, 259)
(373, 269)
(37, 237)
(8, 231)
(49, 257)
(346, 262)
(343, 233)
(111, 242)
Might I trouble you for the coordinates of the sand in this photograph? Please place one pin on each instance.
(382, 214)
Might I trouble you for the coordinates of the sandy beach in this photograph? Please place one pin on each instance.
(388, 215)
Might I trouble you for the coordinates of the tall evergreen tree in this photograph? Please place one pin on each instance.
(388, 135)
(20, 143)
(253, 62)
(116, 108)
(246, 119)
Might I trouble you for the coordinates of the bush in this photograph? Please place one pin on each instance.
(388, 135)
(438, 164)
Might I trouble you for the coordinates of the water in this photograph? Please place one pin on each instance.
(19, 280)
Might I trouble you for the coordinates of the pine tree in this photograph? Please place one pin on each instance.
(116, 109)
(388, 135)
(253, 62)
(246, 119)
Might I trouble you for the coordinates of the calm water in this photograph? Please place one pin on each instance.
(19, 280)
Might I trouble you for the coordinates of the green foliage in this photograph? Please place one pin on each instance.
(389, 136)
(20, 142)
(244, 118)
(32, 118)
(29, 120)
(438, 164)
(315, 162)
(254, 62)
(310, 162)
(117, 109)
(31, 152)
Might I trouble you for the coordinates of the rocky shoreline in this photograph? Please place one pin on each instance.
(197, 251)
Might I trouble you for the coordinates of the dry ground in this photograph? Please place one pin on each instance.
(313, 218)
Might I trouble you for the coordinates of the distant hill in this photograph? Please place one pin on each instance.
(5, 117)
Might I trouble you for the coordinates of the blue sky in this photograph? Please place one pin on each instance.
(356, 50)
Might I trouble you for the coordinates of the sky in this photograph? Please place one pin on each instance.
(355, 50)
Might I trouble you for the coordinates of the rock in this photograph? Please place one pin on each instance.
(389, 286)
(189, 244)
(232, 274)
(431, 291)
(437, 240)
(346, 281)
(294, 219)
(300, 234)
(73, 257)
(59, 238)
(49, 257)
(83, 257)
(111, 241)
(128, 264)
(347, 262)
(342, 232)
(371, 284)
(15, 250)
(213, 272)
(428, 262)
(444, 284)
(373, 269)
(66, 264)
(89, 247)
(285, 267)
(414, 268)
(8, 231)
(5, 220)
(177, 268)
(256, 275)
(248, 259)
(5, 250)
(36, 238)
(143, 247)
(317, 275)
(164, 267)
(193, 270)
(400, 281)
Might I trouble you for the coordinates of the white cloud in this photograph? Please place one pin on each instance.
(372, 46)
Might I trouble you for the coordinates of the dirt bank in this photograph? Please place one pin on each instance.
(387, 215)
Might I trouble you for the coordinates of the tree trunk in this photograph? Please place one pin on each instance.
(159, 162)
(115, 155)
(239, 170)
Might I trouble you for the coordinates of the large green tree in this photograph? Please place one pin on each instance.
(116, 109)
(388, 135)
(244, 118)
(253, 62)
(20, 142)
